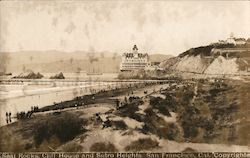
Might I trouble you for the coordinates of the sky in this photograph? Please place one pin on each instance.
(166, 27)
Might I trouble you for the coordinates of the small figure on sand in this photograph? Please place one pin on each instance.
(117, 103)
(8, 117)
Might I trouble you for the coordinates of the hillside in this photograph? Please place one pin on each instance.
(159, 57)
(70, 66)
(203, 60)
(45, 60)
(54, 61)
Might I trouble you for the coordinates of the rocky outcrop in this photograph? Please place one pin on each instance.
(58, 76)
(29, 75)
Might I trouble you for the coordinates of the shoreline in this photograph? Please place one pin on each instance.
(69, 103)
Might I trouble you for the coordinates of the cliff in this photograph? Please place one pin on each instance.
(202, 60)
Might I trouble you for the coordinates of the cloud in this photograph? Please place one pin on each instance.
(155, 26)
(71, 27)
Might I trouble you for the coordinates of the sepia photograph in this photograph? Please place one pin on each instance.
(124, 78)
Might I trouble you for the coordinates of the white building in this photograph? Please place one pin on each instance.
(235, 41)
(134, 60)
(240, 41)
(231, 40)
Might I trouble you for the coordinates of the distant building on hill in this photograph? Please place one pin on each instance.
(134, 60)
(240, 41)
(232, 40)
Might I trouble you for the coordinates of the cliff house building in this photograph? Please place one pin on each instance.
(134, 60)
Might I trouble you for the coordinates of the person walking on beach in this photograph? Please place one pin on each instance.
(10, 117)
(7, 117)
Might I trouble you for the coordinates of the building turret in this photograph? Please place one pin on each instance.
(135, 49)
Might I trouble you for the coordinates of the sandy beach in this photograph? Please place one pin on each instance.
(17, 98)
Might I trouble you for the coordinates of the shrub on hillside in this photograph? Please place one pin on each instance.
(72, 147)
(189, 150)
(142, 144)
(119, 125)
(187, 96)
(103, 147)
(190, 130)
(65, 127)
(160, 104)
(129, 109)
(156, 125)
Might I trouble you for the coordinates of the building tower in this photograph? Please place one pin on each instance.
(135, 49)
